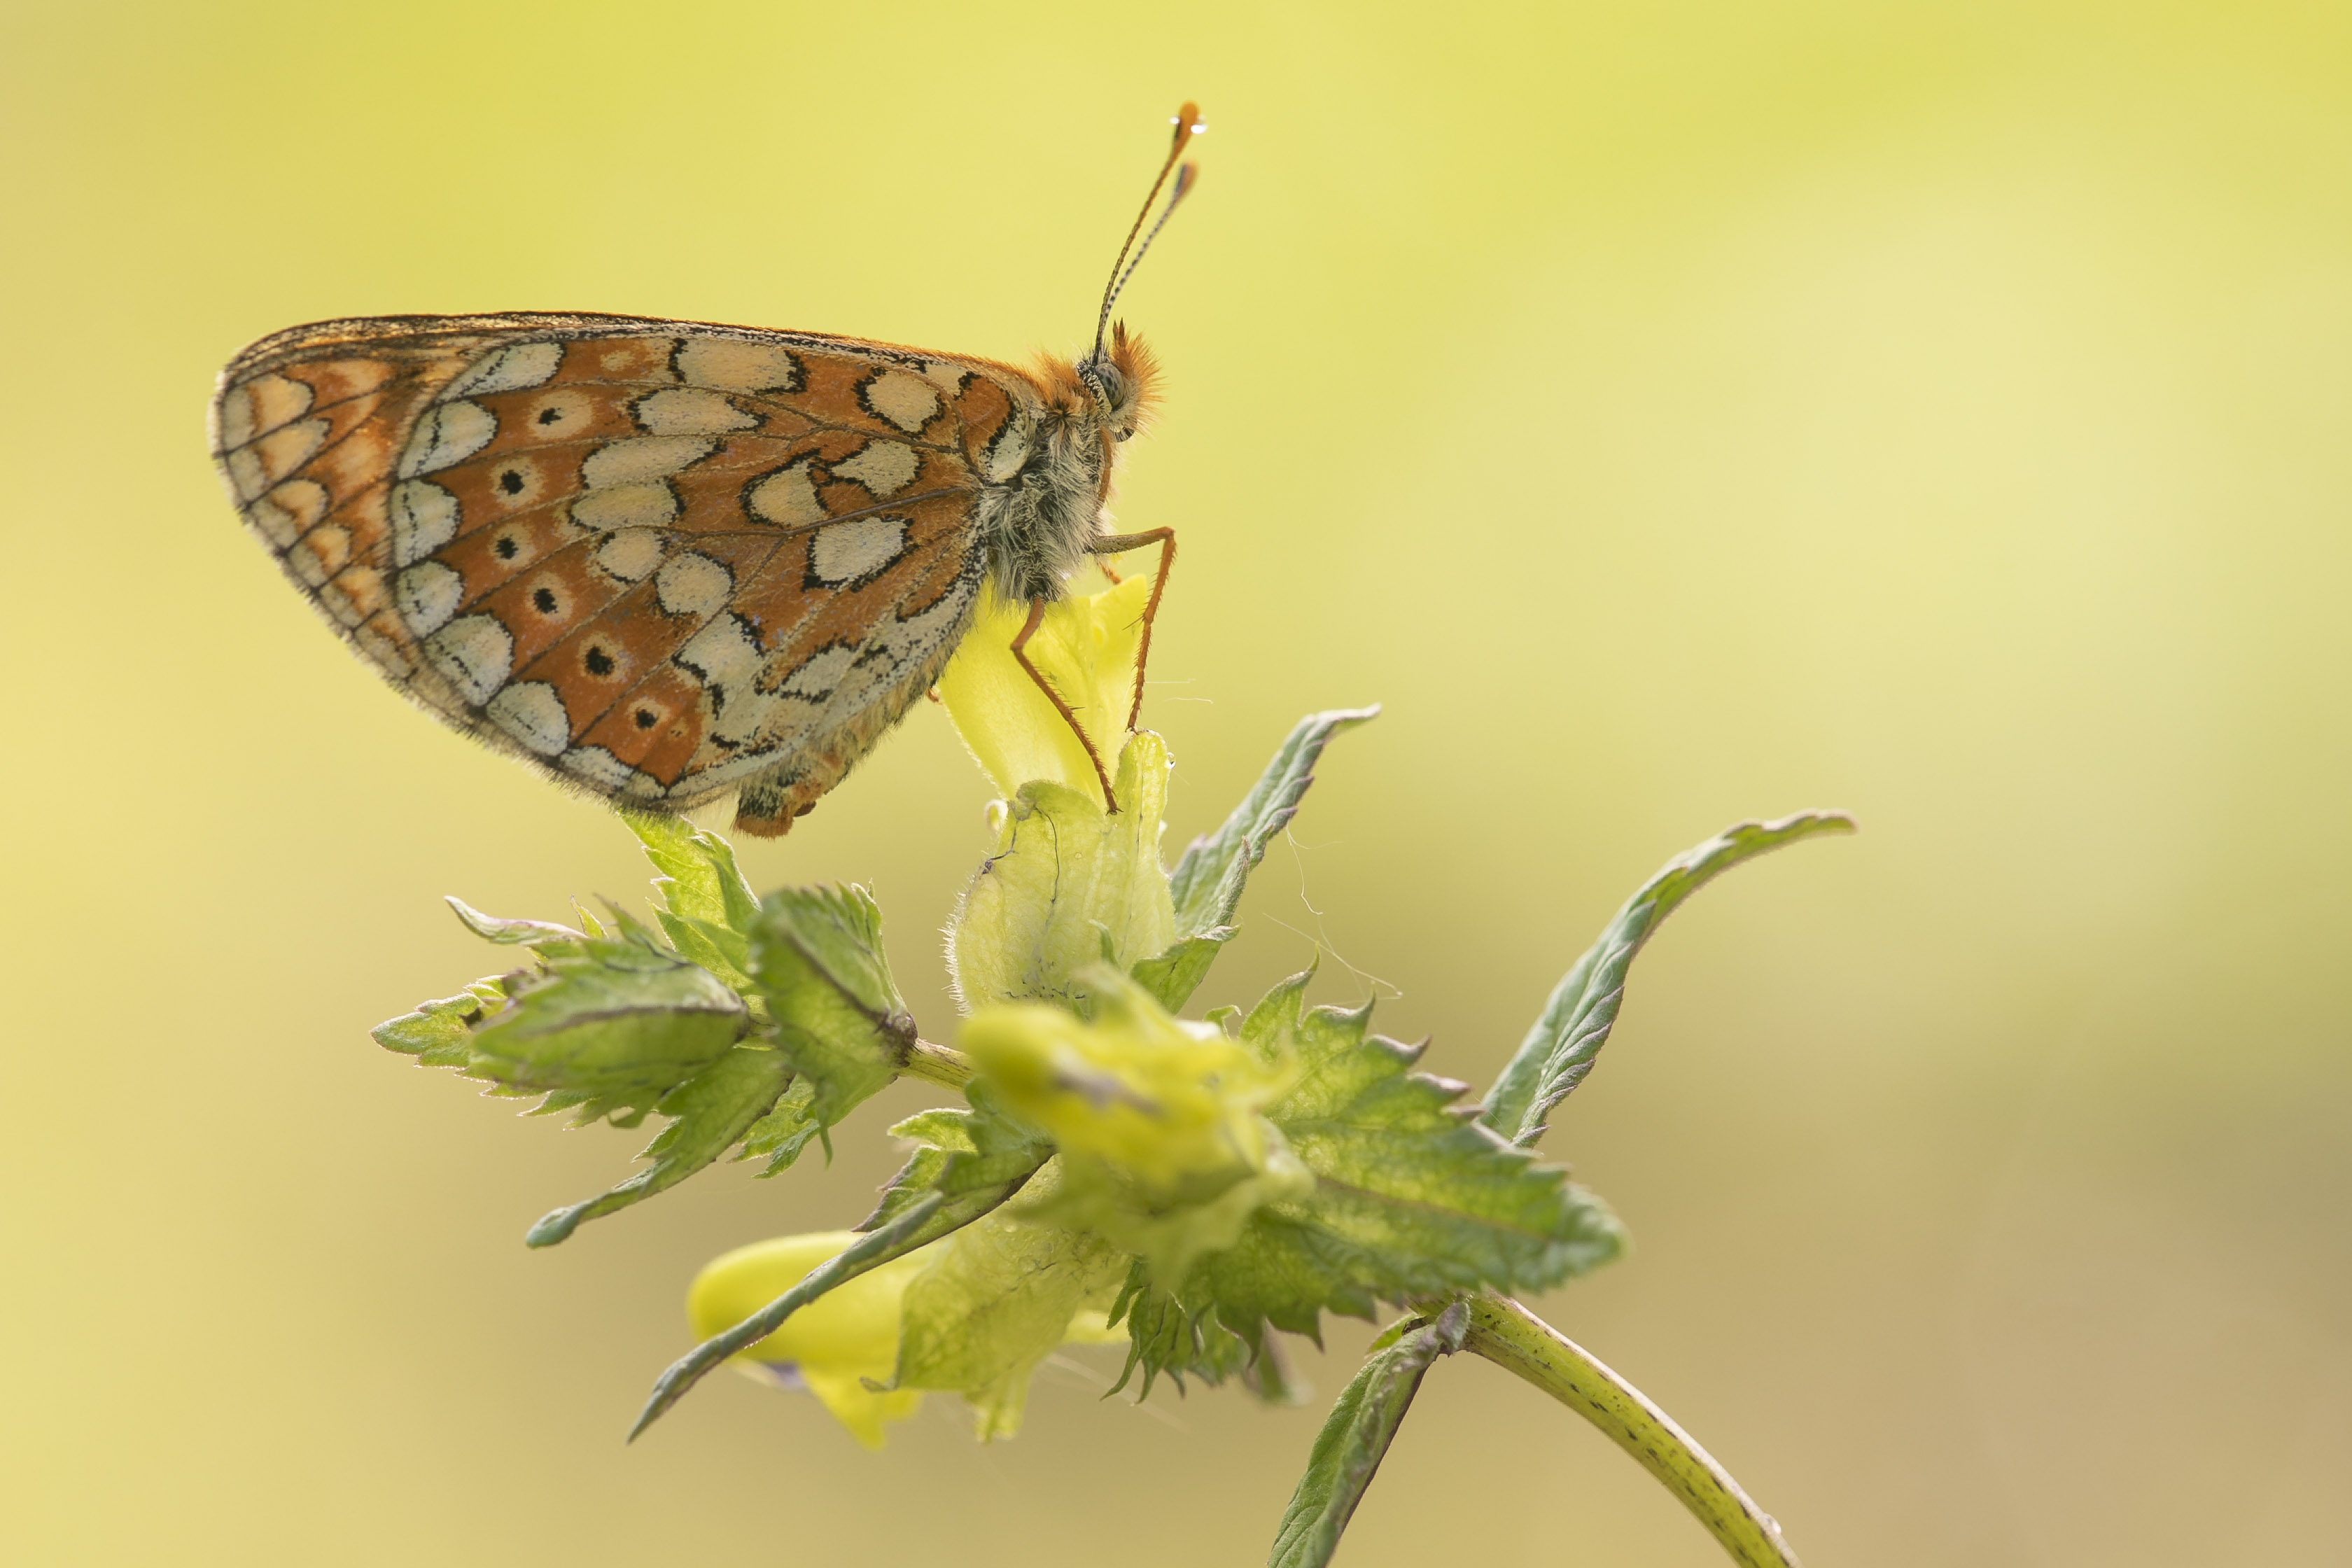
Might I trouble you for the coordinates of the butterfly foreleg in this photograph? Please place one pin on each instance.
(1021, 657)
(1113, 544)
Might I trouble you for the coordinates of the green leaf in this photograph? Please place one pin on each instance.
(1356, 1437)
(816, 954)
(1413, 1198)
(441, 1034)
(1068, 881)
(709, 1112)
(1560, 1049)
(604, 1025)
(995, 1301)
(547, 937)
(1206, 886)
(781, 1135)
(1171, 976)
(960, 1154)
(707, 909)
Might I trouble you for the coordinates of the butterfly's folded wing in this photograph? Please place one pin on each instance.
(661, 560)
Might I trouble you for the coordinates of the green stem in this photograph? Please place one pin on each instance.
(942, 1065)
(1520, 1342)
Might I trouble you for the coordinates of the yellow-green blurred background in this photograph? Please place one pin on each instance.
(1674, 413)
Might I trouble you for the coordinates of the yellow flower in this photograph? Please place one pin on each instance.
(848, 1340)
(1086, 647)
(834, 1343)
(1156, 1118)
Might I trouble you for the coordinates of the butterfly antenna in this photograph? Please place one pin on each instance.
(1188, 125)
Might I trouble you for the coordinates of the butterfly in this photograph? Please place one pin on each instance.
(662, 560)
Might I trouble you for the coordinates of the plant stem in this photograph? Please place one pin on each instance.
(942, 1065)
(1517, 1341)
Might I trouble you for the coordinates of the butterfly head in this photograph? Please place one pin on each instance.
(1120, 383)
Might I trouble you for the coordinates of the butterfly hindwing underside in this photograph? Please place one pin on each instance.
(658, 559)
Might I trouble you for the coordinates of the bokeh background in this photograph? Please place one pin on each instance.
(1674, 413)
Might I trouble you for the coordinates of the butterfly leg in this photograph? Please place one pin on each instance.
(1166, 539)
(1021, 657)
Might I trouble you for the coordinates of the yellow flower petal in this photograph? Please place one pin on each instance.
(835, 1343)
(1086, 647)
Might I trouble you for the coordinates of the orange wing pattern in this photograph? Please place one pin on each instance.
(658, 559)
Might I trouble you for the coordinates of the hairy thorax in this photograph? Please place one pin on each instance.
(1042, 518)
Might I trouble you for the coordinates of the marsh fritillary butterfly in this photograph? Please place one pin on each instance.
(662, 560)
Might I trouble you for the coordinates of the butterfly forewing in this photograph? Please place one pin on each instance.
(660, 559)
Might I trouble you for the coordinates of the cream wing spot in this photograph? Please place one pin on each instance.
(448, 432)
(598, 767)
(261, 405)
(910, 638)
(290, 446)
(690, 411)
(904, 400)
(850, 551)
(816, 676)
(639, 459)
(725, 655)
(631, 554)
(625, 505)
(787, 498)
(426, 595)
(730, 364)
(474, 654)
(247, 477)
(884, 468)
(948, 378)
(509, 369)
(273, 522)
(288, 512)
(424, 518)
(321, 553)
(693, 584)
(533, 712)
(1009, 449)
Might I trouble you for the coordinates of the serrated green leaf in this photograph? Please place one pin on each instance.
(781, 1135)
(817, 955)
(617, 1023)
(1562, 1046)
(1066, 879)
(441, 1034)
(1172, 975)
(1356, 1437)
(1206, 886)
(604, 1025)
(707, 909)
(709, 1112)
(995, 1300)
(1166, 1335)
(1413, 1198)
(960, 1154)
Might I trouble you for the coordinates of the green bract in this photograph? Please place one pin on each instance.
(1116, 1172)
